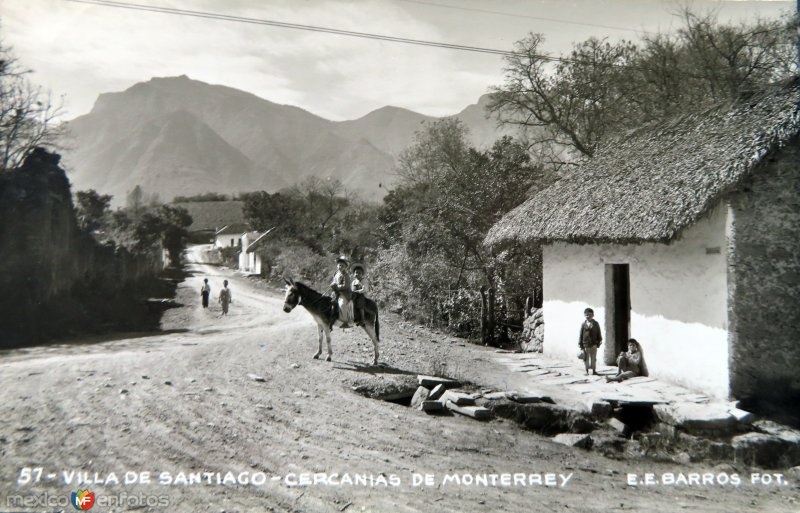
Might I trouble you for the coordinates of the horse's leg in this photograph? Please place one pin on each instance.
(328, 341)
(369, 326)
(319, 333)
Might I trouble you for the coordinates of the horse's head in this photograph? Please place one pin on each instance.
(292, 297)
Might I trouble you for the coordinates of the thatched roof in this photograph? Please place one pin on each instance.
(655, 181)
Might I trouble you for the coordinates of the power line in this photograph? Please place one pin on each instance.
(349, 33)
(516, 15)
(297, 26)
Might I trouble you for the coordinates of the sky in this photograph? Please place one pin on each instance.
(79, 50)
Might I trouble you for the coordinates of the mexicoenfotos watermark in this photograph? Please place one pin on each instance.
(83, 500)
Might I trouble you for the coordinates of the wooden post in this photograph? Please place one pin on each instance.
(483, 315)
(490, 316)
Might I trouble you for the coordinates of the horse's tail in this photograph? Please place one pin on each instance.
(377, 326)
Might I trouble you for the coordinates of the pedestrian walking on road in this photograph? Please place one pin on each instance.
(589, 340)
(225, 297)
(205, 292)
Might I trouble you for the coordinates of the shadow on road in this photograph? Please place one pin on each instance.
(369, 368)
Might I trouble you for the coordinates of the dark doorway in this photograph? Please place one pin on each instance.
(618, 310)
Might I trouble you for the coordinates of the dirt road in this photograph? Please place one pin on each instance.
(188, 406)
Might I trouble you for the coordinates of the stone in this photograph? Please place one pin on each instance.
(785, 433)
(759, 449)
(430, 382)
(432, 406)
(665, 429)
(458, 398)
(529, 397)
(741, 416)
(544, 417)
(419, 396)
(574, 440)
(695, 418)
(437, 392)
(495, 396)
(256, 377)
(599, 408)
(476, 412)
(618, 426)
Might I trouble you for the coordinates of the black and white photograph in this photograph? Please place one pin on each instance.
(399, 256)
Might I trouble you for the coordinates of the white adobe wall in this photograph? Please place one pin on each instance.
(678, 301)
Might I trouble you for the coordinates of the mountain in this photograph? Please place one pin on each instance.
(178, 136)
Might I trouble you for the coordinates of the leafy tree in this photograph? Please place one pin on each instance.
(175, 222)
(27, 114)
(163, 225)
(134, 202)
(311, 212)
(434, 222)
(92, 209)
(569, 105)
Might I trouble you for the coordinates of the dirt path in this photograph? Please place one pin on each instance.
(183, 403)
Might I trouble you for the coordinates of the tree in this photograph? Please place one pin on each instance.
(91, 208)
(164, 224)
(433, 260)
(311, 212)
(134, 202)
(175, 222)
(27, 114)
(569, 106)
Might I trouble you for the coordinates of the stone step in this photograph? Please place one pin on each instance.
(476, 412)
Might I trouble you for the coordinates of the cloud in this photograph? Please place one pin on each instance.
(83, 50)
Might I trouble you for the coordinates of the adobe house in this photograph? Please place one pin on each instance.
(229, 236)
(686, 236)
(249, 261)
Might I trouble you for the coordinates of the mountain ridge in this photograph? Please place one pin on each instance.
(236, 141)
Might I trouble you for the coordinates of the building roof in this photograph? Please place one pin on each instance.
(232, 229)
(653, 182)
(253, 245)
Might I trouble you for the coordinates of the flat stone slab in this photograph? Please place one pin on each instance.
(632, 399)
(555, 365)
(420, 396)
(529, 397)
(785, 433)
(476, 412)
(431, 382)
(458, 398)
(437, 392)
(540, 372)
(432, 406)
(568, 380)
(692, 417)
(573, 440)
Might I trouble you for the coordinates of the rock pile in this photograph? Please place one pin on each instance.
(533, 332)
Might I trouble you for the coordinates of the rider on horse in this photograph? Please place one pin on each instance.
(359, 289)
(341, 286)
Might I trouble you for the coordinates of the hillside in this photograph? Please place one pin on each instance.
(178, 136)
(213, 215)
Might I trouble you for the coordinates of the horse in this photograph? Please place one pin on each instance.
(321, 308)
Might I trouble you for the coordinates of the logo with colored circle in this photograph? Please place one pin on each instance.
(82, 499)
